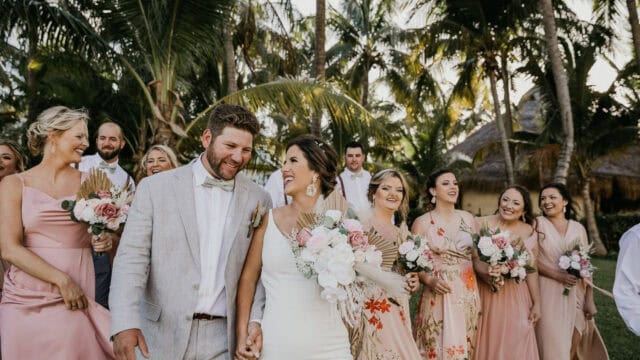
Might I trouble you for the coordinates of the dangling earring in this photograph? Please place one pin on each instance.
(522, 218)
(564, 209)
(433, 198)
(311, 188)
(52, 148)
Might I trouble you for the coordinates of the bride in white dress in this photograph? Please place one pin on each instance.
(297, 323)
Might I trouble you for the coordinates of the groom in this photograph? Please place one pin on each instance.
(173, 289)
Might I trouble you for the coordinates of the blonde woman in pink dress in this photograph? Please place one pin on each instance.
(47, 309)
(566, 329)
(447, 317)
(507, 325)
(387, 331)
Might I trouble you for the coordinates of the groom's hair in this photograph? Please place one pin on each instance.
(232, 115)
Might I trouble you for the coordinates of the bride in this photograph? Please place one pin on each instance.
(297, 322)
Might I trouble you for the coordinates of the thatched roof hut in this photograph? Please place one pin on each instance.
(616, 176)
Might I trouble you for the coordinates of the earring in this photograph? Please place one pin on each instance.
(311, 188)
(433, 199)
(522, 218)
(564, 209)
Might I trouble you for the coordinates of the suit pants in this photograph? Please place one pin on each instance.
(102, 269)
(208, 340)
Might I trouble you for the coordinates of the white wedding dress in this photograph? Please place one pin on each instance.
(297, 324)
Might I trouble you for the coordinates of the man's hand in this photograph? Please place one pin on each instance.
(250, 347)
(125, 342)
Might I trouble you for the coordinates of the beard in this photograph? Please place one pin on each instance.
(109, 155)
(215, 162)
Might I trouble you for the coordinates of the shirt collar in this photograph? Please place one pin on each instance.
(99, 159)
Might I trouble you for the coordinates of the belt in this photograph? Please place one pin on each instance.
(201, 316)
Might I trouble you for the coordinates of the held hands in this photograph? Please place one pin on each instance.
(249, 345)
(72, 294)
(413, 282)
(102, 243)
(125, 342)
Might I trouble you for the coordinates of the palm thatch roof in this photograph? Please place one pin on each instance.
(616, 175)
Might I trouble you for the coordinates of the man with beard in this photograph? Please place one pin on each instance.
(175, 276)
(354, 180)
(109, 143)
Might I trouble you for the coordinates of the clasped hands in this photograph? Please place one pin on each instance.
(103, 242)
(249, 344)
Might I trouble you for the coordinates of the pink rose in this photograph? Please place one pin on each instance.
(104, 194)
(584, 263)
(500, 241)
(352, 225)
(512, 264)
(427, 254)
(303, 236)
(107, 210)
(358, 239)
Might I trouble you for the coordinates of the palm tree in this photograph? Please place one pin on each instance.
(607, 12)
(562, 87)
(320, 55)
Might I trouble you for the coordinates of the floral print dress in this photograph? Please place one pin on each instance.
(446, 325)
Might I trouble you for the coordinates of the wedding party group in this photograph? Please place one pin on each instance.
(199, 262)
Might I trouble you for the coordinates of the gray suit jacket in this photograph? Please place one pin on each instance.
(156, 272)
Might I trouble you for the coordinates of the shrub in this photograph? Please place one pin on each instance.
(613, 226)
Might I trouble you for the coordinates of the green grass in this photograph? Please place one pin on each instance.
(621, 343)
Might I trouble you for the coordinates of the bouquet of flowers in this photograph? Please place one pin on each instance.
(498, 249)
(338, 251)
(577, 262)
(415, 255)
(100, 204)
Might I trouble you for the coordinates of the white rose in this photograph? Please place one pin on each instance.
(485, 244)
(575, 265)
(333, 295)
(359, 255)
(412, 255)
(334, 215)
(327, 280)
(405, 247)
(522, 273)
(490, 250)
(575, 257)
(564, 262)
(495, 257)
(337, 238)
(373, 256)
(508, 251)
(423, 262)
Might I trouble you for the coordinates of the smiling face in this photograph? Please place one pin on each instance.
(511, 205)
(109, 141)
(389, 194)
(228, 153)
(354, 158)
(71, 144)
(552, 203)
(296, 173)
(446, 189)
(157, 161)
(8, 161)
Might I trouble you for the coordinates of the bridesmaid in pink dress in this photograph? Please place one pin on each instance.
(387, 331)
(566, 329)
(47, 309)
(447, 317)
(507, 325)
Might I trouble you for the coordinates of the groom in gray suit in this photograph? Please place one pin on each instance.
(175, 276)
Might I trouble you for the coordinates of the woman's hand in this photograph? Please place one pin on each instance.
(413, 282)
(72, 294)
(589, 309)
(249, 343)
(439, 286)
(566, 279)
(102, 243)
(534, 312)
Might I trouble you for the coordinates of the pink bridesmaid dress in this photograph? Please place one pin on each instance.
(34, 322)
(504, 329)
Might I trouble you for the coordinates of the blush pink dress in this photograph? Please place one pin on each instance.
(504, 330)
(34, 322)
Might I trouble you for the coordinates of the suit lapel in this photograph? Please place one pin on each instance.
(185, 202)
(236, 212)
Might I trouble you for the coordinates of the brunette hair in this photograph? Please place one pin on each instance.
(56, 119)
(431, 183)
(321, 157)
(232, 115)
(379, 177)
(354, 145)
(17, 152)
(570, 213)
(528, 208)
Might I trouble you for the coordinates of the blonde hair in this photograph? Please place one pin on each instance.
(163, 148)
(379, 177)
(17, 152)
(56, 119)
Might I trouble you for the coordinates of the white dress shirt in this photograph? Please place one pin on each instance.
(212, 205)
(356, 186)
(117, 176)
(275, 188)
(626, 287)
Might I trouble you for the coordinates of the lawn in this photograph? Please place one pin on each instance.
(621, 343)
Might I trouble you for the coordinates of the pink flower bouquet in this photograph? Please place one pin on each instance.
(577, 262)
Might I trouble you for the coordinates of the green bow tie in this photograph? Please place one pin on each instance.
(226, 185)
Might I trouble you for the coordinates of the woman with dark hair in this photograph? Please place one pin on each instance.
(297, 323)
(447, 316)
(11, 158)
(506, 329)
(566, 329)
(387, 325)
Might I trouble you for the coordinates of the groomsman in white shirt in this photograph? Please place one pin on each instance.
(275, 188)
(109, 143)
(626, 287)
(354, 180)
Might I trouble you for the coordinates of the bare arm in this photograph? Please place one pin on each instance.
(13, 251)
(247, 287)
(440, 286)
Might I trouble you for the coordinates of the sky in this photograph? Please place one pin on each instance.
(601, 76)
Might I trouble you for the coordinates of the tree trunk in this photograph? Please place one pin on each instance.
(504, 71)
(321, 22)
(229, 57)
(163, 133)
(635, 30)
(590, 217)
(504, 141)
(562, 91)
(32, 68)
(365, 88)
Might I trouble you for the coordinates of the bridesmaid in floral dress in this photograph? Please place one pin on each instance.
(507, 325)
(387, 326)
(447, 318)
